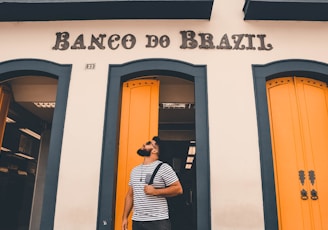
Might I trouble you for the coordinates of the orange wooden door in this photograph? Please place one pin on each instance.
(5, 97)
(298, 109)
(139, 123)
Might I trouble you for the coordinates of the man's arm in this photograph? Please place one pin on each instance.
(170, 191)
(127, 208)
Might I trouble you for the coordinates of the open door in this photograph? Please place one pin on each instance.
(5, 96)
(163, 70)
(139, 123)
(298, 111)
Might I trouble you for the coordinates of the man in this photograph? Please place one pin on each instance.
(150, 209)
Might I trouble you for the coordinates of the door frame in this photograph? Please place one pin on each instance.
(43, 68)
(262, 73)
(119, 73)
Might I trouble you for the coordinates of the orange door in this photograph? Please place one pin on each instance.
(298, 109)
(5, 96)
(139, 123)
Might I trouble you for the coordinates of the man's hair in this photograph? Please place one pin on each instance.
(158, 142)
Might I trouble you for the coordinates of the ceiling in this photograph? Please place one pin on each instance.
(30, 89)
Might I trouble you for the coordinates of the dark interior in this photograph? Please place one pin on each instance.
(182, 208)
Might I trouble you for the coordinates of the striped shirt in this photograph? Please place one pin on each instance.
(148, 207)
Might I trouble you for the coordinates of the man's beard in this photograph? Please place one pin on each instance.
(143, 153)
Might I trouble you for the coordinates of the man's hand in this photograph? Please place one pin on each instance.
(170, 191)
(150, 190)
(125, 224)
(127, 208)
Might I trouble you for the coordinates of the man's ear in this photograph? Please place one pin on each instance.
(154, 150)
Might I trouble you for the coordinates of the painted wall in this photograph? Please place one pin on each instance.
(234, 153)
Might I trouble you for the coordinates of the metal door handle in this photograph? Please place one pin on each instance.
(304, 195)
(314, 194)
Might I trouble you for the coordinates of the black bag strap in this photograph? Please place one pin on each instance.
(154, 173)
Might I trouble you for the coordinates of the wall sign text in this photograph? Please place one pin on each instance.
(189, 40)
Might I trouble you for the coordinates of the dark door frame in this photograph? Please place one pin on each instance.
(147, 67)
(262, 73)
(43, 68)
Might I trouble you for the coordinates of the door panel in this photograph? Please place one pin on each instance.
(299, 130)
(285, 133)
(313, 95)
(139, 123)
(4, 107)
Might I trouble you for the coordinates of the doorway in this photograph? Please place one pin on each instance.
(163, 106)
(163, 69)
(299, 129)
(24, 149)
(275, 196)
(31, 137)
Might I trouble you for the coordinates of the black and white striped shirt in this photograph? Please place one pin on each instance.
(148, 207)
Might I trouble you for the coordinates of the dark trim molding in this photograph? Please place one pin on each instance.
(53, 10)
(117, 75)
(262, 73)
(25, 67)
(298, 10)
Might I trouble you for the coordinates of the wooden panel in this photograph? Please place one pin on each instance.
(298, 109)
(5, 96)
(287, 153)
(139, 123)
(313, 102)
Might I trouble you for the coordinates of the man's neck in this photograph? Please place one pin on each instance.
(149, 160)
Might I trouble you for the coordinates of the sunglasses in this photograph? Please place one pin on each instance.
(149, 143)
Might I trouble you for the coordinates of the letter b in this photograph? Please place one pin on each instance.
(61, 41)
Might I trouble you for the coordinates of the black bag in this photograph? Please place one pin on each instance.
(151, 181)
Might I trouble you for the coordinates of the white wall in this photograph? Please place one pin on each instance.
(234, 153)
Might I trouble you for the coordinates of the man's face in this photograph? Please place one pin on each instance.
(146, 149)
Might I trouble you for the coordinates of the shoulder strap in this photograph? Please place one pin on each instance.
(154, 173)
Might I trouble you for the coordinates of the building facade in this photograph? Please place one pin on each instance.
(236, 90)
